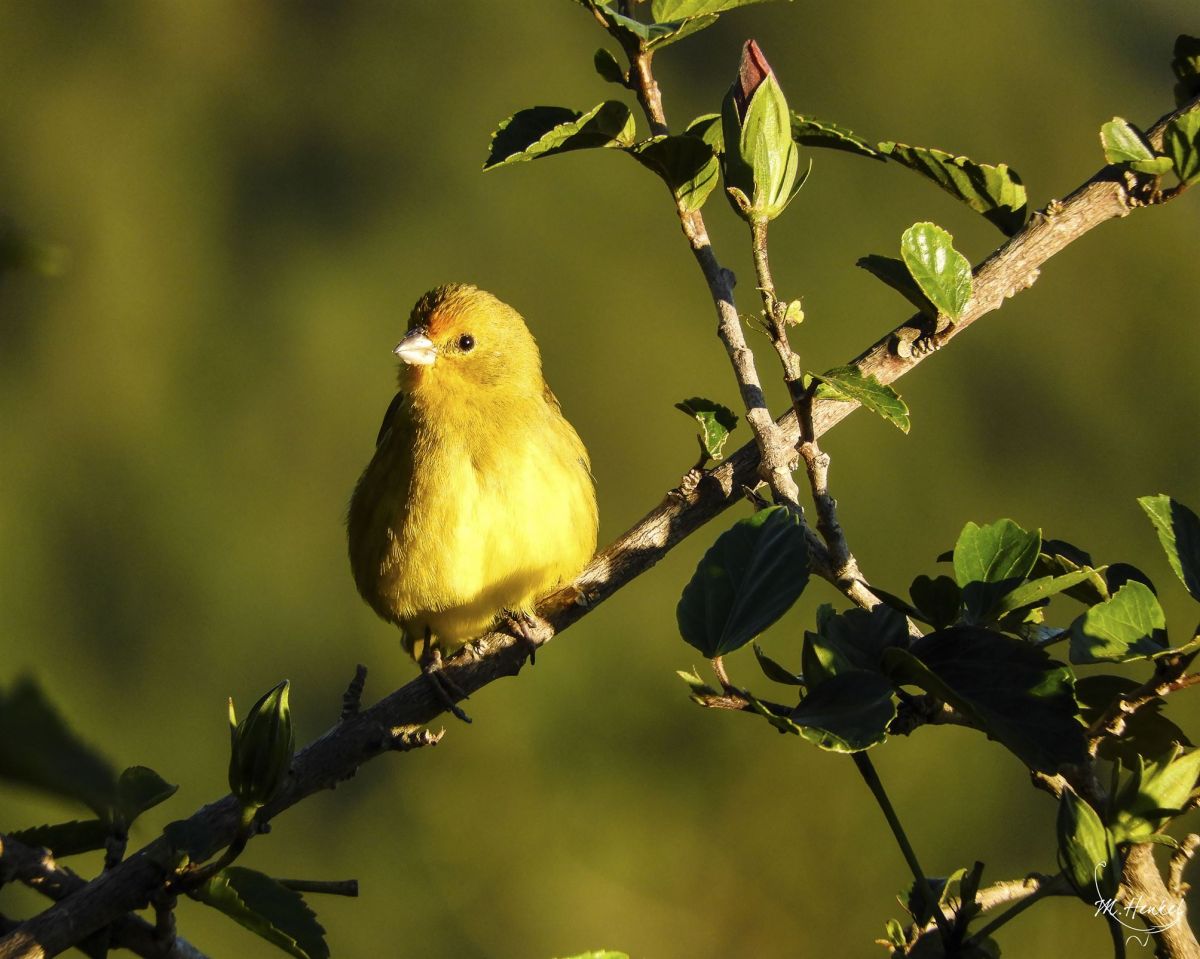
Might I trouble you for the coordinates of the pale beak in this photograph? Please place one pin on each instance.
(416, 349)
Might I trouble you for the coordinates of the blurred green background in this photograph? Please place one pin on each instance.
(253, 194)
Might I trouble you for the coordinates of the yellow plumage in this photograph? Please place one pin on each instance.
(479, 497)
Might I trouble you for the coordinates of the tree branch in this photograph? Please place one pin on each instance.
(368, 733)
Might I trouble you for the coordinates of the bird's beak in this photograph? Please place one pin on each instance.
(416, 349)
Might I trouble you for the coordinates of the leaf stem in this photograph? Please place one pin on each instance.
(867, 769)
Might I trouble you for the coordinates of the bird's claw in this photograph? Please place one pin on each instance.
(528, 628)
(445, 688)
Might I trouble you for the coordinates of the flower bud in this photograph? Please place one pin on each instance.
(760, 159)
(263, 745)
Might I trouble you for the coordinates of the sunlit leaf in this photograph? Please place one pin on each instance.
(809, 131)
(990, 561)
(686, 164)
(994, 191)
(1129, 625)
(678, 9)
(716, 421)
(1181, 142)
(848, 383)
(1125, 143)
(1157, 790)
(895, 274)
(266, 908)
(1179, 532)
(942, 273)
(544, 131)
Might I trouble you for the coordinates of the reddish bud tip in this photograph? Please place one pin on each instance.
(752, 71)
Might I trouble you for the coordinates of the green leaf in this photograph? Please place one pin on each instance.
(141, 788)
(1125, 143)
(848, 712)
(1058, 558)
(1039, 590)
(811, 132)
(895, 274)
(1179, 532)
(773, 671)
(1186, 66)
(1181, 141)
(848, 384)
(1131, 625)
(686, 164)
(750, 577)
(608, 67)
(66, 838)
(266, 908)
(544, 131)
(990, 561)
(996, 192)
(716, 422)
(1013, 691)
(942, 273)
(652, 36)
(1147, 732)
(679, 9)
(853, 640)
(1086, 850)
(38, 749)
(708, 128)
(1155, 793)
(938, 599)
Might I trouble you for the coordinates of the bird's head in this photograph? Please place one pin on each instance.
(463, 338)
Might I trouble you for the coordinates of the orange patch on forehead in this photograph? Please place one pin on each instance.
(440, 311)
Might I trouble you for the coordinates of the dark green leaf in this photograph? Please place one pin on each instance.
(1186, 66)
(853, 640)
(895, 274)
(716, 422)
(1179, 532)
(990, 561)
(1125, 143)
(1146, 732)
(38, 749)
(942, 273)
(266, 908)
(543, 131)
(994, 191)
(66, 838)
(938, 599)
(1086, 851)
(1058, 558)
(141, 788)
(686, 164)
(748, 579)
(809, 131)
(1013, 691)
(1181, 141)
(847, 713)
(607, 66)
(773, 671)
(848, 384)
(1131, 625)
(901, 606)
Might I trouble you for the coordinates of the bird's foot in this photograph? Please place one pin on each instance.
(445, 688)
(528, 627)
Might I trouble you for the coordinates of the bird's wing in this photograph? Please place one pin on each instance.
(386, 425)
(556, 408)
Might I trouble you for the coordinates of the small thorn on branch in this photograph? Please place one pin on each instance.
(352, 699)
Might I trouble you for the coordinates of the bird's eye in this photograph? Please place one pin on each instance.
(466, 342)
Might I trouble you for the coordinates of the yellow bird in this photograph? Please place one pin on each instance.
(479, 499)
